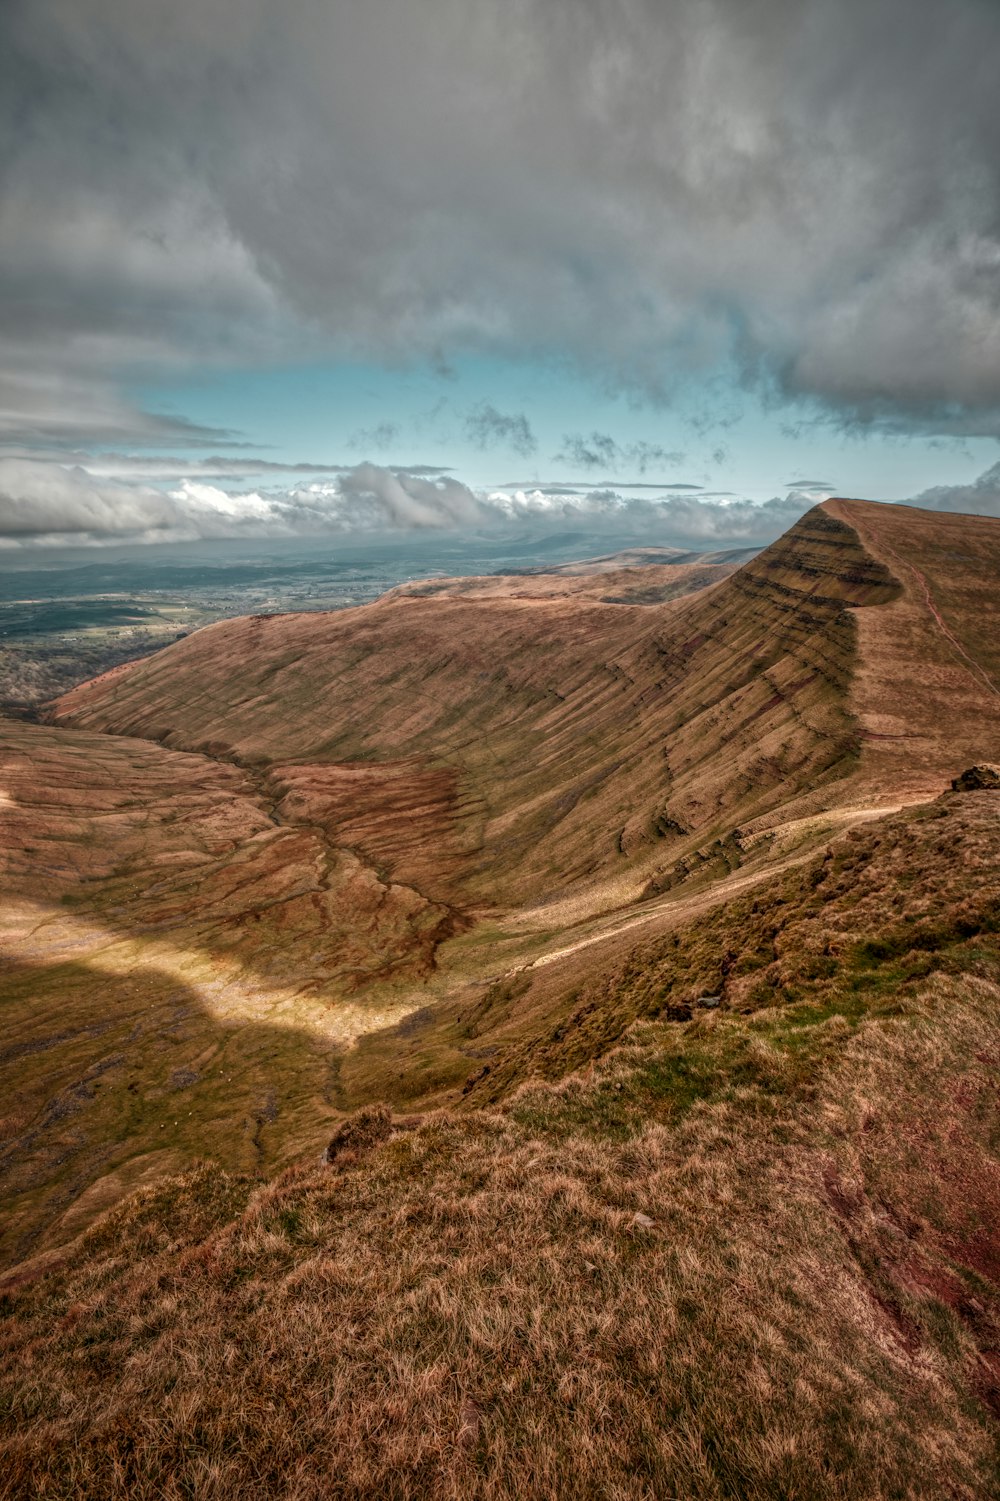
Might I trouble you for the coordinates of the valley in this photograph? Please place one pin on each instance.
(580, 871)
(287, 832)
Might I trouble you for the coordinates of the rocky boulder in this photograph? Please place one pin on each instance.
(982, 778)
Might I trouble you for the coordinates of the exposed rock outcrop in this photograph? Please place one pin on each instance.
(982, 778)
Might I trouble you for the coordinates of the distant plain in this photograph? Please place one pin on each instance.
(67, 614)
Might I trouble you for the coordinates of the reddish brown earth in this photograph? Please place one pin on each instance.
(657, 914)
(594, 744)
(927, 681)
(170, 841)
(178, 966)
(283, 833)
(604, 580)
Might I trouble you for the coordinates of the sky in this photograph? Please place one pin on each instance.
(329, 267)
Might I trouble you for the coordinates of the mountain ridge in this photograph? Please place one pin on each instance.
(329, 837)
(507, 707)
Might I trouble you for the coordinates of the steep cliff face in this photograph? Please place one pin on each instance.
(753, 682)
(559, 741)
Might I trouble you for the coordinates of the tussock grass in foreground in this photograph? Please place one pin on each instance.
(473, 1308)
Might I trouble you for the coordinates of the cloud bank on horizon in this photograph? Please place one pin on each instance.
(801, 194)
(43, 504)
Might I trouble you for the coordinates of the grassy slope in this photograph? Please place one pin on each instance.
(472, 1307)
(592, 745)
(191, 946)
(807, 1306)
(912, 881)
(178, 971)
(926, 687)
(623, 583)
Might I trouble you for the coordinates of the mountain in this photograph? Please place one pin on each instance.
(602, 905)
(571, 743)
(284, 833)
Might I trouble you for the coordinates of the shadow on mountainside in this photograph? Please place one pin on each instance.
(748, 1256)
(114, 1081)
(121, 1071)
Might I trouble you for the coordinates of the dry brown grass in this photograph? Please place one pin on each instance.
(478, 1306)
(583, 739)
(746, 1251)
(861, 922)
(176, 971)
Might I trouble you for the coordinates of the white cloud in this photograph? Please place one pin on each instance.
(981, 498)
(46, 502)
(49, 501)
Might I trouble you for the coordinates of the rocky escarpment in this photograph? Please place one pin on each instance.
(985, 778)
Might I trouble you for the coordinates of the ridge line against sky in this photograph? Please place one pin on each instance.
(345, 267)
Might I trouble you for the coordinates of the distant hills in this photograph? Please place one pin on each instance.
(644, 557)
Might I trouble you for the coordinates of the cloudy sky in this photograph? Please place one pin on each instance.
(322, 265)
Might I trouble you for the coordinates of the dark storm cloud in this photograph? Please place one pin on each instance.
(805, 191)
(488, 428)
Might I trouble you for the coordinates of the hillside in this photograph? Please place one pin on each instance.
(591, 746)
(644, 932)
(615, 580)
(642, 557)
(226, 865)
(748, 1253)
